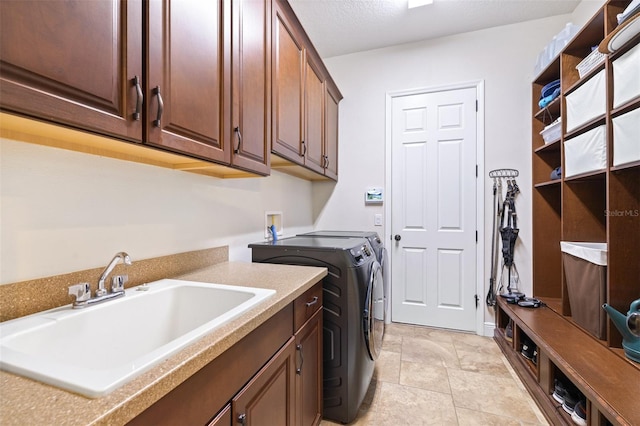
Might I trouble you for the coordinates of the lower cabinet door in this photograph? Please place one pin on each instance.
(223, 418)
(309, 372)
(268, 399)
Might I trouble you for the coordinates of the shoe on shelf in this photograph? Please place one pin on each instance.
(508, 331)
(559, 391)
(570, 400)
(529, 349)
(579, 415)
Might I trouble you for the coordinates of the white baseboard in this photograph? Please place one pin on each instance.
(488, 329)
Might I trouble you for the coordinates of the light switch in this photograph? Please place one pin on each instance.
(377, 219)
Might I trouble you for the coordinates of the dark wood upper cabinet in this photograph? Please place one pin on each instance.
(288, 87)
(74, 63)
(332, 99)
(187, 81)
(251, 85)
(313, 148)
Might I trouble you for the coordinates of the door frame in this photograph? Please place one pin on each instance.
(482, 328)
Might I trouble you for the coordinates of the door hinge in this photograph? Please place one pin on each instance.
(476, 236)
(476, 105)
(476, 170)
(477, 300)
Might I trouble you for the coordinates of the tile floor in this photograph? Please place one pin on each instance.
(433, 376)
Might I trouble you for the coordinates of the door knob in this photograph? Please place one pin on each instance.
(397, 237)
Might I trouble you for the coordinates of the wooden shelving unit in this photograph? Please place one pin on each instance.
(582, 207)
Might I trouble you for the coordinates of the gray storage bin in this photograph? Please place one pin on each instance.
(585, 270)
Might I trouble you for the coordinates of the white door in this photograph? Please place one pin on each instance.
(433, 208)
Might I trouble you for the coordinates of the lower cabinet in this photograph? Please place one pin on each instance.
(273, 376)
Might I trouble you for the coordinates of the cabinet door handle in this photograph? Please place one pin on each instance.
(304, 149)
(242, 419)
(156, 91)
(299, 349)
(237, 130)
(139, 98)
(326, 162)
(312, 302)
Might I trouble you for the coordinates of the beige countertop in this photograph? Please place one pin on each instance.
(24, 401)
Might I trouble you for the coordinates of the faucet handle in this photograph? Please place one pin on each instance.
(81, 291)
(118, 282)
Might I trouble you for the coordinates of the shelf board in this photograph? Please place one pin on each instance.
(627, 166)
(551, 183)
(626, 107)
(585, 177)
(550, 73)
(550, 147)
(552, 303)
(591, 124)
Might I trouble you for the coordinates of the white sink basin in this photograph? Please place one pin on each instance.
(94, 350)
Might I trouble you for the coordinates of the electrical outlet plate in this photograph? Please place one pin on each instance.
(273, 218)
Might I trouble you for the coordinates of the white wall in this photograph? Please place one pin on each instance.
(503, 57)
(62, 211)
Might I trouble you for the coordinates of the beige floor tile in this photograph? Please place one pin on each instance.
(404, 405)
(488, 394)
(392, 342)
(388, 367)
(478, 418)
(434, 334)
(481, 362)
(474, 343)
(398, 329)
(421, 375)
(429, 352)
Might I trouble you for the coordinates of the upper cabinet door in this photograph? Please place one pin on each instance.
(288, 88)
(314, 117)
(74, 63)
(188, 88)
(251, 85)
(332, 99)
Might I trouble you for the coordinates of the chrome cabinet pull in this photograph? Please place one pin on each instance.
(237, 130)
(242, 419)
(139, 98)
(312, 302)
(156, 91)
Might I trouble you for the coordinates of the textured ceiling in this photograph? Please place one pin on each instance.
(339, 27)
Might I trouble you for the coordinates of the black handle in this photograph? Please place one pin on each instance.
(139, 98)
(326, 162)
(242, 419)
(304, 149)
(313, 301)
(397, 237)
(156, 91)
(237, 130)
(299, 349)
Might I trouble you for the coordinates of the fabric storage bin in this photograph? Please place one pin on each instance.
(587, 101)
(626, 77)
(585, 271)
(626, 137)
(586, 152)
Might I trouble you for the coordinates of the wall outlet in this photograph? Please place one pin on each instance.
(273, 218)
(377, 219)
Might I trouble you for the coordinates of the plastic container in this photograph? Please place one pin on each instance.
(551, 133)
(586, 152)
(592, 60)
(585, 271)
(587, 102)
(626, 77)
(626, 143)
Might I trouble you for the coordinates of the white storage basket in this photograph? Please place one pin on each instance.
(587, 101)
(626, 77)
(551, 133)
(626, 137)
(592, 60)
(586, 152)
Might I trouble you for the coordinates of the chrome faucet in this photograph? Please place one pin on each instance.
(101, 291)
(82, 291)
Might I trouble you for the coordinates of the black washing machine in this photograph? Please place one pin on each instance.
(381, 254)
(353, 302)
